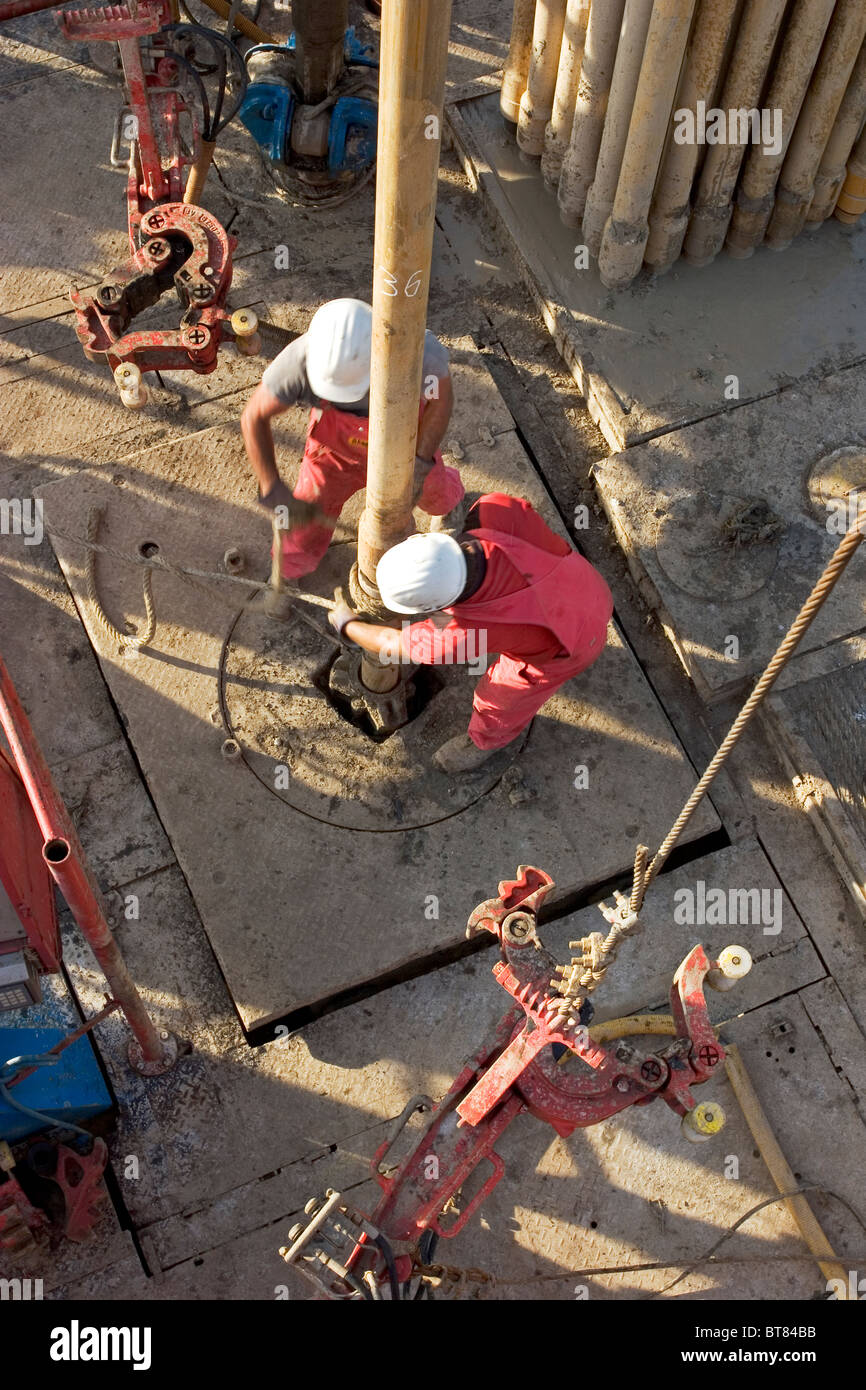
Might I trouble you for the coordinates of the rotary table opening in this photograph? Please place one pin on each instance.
(340, 682)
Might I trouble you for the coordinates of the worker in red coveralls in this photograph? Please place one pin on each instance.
(328, 368)
(508, 582)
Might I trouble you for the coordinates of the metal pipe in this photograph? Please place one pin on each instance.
(198, 173)
(414, 51)
(756, 195)
(64, 856)
(713, 207)
(320, 29)
(629, 56)
(852, 200)
(849, 123)
(596, 73)
(627, 230)
(517, 62)
(702, 77)
(558, 132)
(823, 99)
(65, 861)
(536, 104)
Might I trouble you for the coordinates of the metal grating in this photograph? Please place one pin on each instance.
(831, 716)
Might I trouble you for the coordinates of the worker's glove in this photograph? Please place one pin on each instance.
(297, 513)
(341, 614)
(422, 468)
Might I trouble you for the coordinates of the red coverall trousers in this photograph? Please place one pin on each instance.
(510, 694)
(560, 595)
(333, 469)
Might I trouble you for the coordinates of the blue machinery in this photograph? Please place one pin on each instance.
(325, 150)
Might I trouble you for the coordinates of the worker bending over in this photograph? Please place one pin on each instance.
(509, 581)
(328, 368)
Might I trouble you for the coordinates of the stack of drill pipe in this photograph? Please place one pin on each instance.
(536, 104)
(852, 200)
(517, 63)
(627, 230)
(623, 88)
(558, 132)
(826, 91)
(849, 123)
(596, 74)
(799, 54)
(701, 80)
(747, 73)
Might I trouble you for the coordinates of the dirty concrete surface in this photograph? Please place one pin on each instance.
(232, 1143)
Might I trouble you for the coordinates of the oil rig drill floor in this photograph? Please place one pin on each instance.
(232, 1144)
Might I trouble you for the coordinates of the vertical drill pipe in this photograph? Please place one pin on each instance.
(756, 194)
(65, 859)
(852, 200)
(536, 104)
(702, 77)
(849, 122)
(320, 28)
(627, 231)
(599, 56)
(414, 51)
(517, 62)
(711, 215)
(558, 132)
(629, 56)
(823, 99)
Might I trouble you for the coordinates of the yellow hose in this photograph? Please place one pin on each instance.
(246, 26)
(768, 1145)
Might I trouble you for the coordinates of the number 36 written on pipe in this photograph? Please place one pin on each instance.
(391, 285)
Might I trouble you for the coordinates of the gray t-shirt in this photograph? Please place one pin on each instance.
(286, 377)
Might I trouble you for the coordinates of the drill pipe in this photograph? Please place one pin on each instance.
(756, 195)
(599, 56)
(826, 90)
(627, 230)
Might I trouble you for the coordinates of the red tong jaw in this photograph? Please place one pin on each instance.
(525, 893)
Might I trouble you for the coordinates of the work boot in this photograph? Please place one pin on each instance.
(452, 523)
(460, 754)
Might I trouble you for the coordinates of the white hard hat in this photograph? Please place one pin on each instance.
(422, 574)
(338, 350)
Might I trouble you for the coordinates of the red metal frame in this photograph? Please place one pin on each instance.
(515, 1073)
(65, 860)
(172, 243)
(23, 872)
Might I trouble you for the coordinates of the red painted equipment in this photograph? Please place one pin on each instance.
(79, 1178)
(52, 835)
(172, 243)
(24, 875)
(13, 9)
(21, 1224)
(520, 1069)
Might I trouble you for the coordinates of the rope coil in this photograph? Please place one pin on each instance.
(126, 641)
